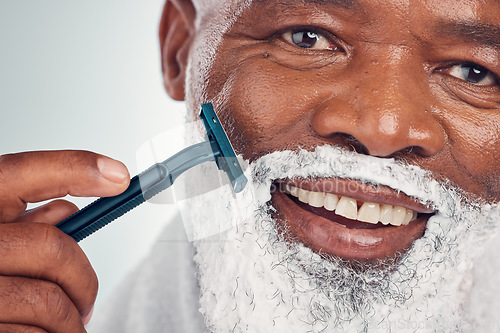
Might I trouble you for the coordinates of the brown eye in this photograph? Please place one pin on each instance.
(473, 73)
(308, 39)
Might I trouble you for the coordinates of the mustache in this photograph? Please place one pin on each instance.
(455, 215)
(336, 162)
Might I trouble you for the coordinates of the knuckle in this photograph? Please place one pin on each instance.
(76, 159)
(5, 161)
(89, 283)
(44, 243)
(54, 303)
(93, 286)
(51, 243)
(7, 211)
(79, 164)
(57, 250)
(10, 165)
(10, 205)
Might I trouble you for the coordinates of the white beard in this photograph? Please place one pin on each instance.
(251, 280)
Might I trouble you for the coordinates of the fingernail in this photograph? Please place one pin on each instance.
(112, 170)
(86, 319)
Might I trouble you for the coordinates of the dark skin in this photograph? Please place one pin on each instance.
(415, 81)
(384, 91)
(46, 282)
(380, 77)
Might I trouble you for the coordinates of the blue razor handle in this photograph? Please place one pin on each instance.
(159, 177)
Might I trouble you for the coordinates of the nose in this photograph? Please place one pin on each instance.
(386, 113)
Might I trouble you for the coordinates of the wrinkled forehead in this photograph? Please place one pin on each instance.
(224, 13)
(214, 5)
(221, 12)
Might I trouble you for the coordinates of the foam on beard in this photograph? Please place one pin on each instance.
(252, 280)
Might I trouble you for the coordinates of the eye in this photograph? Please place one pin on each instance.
(308, 39)
(474, 73)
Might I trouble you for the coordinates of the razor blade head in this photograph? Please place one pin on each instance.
(225, 156)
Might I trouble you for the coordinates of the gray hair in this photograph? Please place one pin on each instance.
(214, 19)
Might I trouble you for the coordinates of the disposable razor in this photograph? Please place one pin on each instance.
(159, 177)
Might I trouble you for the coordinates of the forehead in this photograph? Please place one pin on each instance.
(470, 10)
(466, 9)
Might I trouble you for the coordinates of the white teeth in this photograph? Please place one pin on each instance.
(386, 214)
(304, 195)
(316, 199)
(331, 201)
(399, 214)
(344, 206)
(408, 217)
(347, 207)
(369, 212)
(294, 191)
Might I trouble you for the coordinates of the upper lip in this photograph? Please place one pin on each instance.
(365, 192)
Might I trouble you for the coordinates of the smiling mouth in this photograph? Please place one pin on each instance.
(350, 219)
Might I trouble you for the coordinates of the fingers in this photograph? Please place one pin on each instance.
(38, 304)
(46, 282)
(46, 253)
(14, 328)
(43, 175)
(50, 213)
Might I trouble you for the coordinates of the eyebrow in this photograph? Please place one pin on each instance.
(347, 4)
(478, 33)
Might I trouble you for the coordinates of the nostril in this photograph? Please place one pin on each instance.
(407, 152)
(354, 143)
(349, 142)
(413, 150)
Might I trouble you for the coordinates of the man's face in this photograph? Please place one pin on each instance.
(417, 81)
(379, 123)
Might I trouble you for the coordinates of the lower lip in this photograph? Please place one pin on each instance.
(327, 236)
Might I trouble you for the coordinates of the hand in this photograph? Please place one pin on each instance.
(46, 282)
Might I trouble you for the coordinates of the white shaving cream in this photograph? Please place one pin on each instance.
(251, 280)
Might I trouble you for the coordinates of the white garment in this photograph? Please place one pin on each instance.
(161, 295)
(483, 306)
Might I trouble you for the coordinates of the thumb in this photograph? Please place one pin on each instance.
(39, 176)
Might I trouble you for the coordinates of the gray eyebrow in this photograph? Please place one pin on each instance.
(475, 32)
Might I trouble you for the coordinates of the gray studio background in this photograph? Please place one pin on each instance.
(87, 75)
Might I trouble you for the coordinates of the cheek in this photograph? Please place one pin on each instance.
(475, 145)
(271, 105)
(266, 107)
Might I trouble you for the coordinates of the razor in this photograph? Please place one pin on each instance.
(159, 177)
